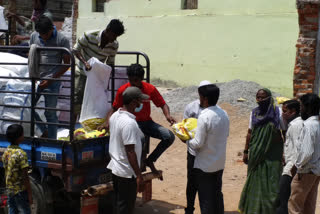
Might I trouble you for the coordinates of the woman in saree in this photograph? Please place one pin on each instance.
(263, 154)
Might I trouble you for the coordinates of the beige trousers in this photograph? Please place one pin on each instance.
(304, 190)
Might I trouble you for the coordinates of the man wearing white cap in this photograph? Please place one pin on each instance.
(125, 151)
(192, 110)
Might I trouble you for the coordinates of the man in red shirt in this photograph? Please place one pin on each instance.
(135, 74)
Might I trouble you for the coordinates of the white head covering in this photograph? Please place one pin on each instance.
(204, 82)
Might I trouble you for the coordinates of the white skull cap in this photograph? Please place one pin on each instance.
(204, 82)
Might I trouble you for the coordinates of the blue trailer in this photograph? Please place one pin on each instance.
(60, 170)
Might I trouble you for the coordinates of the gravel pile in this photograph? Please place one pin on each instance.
(230, 92)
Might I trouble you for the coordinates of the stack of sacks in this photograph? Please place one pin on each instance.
(15, 85)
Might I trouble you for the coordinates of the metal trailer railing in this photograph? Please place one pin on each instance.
(33, 93)
(138, 55)
(76, 146)
(71, 123)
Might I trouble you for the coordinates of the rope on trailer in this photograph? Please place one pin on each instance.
(33, 62)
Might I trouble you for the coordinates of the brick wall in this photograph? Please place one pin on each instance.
(305, 66)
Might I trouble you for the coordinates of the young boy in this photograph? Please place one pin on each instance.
(15, 163)
(290, 114)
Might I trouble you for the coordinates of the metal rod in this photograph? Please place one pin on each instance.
(36, 122)
(72, 117)
(40, 108)
(33, 104)
(37, 93)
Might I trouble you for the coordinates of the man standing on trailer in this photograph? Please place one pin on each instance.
(101, 44)
(46, 35)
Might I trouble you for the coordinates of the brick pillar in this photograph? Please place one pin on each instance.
(74, 21)
(305, 67)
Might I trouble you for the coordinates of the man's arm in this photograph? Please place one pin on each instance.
(66, 60)
(26, 182)
(81, 58)
(45, 83)
(132, 157)
(82, 43)
(166, 112)
(105, 125)
(198, 141)
(306, 149)
(16, 17)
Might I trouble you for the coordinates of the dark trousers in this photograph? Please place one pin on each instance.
(125, 193)
(19, 203)
(191, 185)
(284, 194)
(155, 130)
(209, 187)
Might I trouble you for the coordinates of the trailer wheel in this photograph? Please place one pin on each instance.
(39, 204)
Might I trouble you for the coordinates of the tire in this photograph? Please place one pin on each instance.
(39, 203)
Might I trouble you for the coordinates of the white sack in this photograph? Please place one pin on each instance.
(95, 99)
(3, 23)
(19, 70)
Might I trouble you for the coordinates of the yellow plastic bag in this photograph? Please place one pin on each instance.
(92, 124)
(185, 130)
(281, 100)
(81, 134)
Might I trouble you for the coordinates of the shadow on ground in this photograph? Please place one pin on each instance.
(162, 207)
(156, 206)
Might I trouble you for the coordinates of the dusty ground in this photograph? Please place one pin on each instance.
(169, 195)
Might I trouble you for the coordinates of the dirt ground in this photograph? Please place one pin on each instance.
(169, 194)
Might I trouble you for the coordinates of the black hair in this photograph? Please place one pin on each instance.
(116, 26)
(211, 92)
(43, 25)
(311, 103)
(43, 3)
(135, 70)
(292, 104)
(14, 132)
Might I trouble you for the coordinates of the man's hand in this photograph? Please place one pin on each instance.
(245, 158)
(293, 171)
(17, 39)
(11, 15)
(104, 125)
(140, 184)
(171, 120)
(44, 84)
(88, 66)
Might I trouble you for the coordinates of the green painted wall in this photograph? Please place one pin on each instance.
(221, 41)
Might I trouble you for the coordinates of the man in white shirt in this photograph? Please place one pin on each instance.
(290, 114)
(304, 187)
(192, 110)
(125, 151)
(209, 145)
